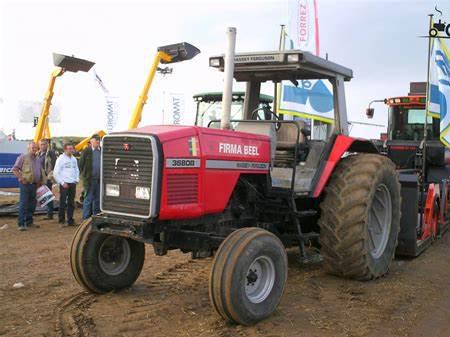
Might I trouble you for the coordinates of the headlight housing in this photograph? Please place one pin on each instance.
(142, 192)
(112, 190)
(214, 62)
(292, 58)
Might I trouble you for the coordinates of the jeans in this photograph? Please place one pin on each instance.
(67, 201)
(50, 204)
(27, 203)
(91, 204)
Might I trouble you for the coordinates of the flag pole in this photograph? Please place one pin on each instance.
(277, 85)
(425, 133)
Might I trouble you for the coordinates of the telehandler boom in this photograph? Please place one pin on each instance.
(62, 64)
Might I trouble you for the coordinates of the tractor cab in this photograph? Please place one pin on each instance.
(404, 141)
(296, 159)
(209, 106)
(407, 119)
(406, 135)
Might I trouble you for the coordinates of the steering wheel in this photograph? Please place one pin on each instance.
(255, 116)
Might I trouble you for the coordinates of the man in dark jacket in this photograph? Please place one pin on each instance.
(90, 173)
(47, 158)
(28, 171)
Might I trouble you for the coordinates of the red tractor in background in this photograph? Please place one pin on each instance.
(243, 195)
(422, 162)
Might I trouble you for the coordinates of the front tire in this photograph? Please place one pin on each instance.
(360, 217)
(102, 263)
(248, 276)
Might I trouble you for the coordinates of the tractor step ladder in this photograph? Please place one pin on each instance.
(296, 216)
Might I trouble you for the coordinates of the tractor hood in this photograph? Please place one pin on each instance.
(172, 132)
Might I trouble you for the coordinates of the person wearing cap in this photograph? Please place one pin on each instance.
(90, 173)
(28, 171)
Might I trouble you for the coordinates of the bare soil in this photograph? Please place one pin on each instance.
(170, 297)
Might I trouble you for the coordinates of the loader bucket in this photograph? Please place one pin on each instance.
(179, 52)
(70, 63)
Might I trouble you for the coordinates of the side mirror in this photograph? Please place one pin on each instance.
(370, 112)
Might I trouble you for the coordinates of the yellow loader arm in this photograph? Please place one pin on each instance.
(63, 63)
(42, 128)
(137, 112)
(166, 54)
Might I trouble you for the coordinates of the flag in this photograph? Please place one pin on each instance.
(303, 25)
(439, 88)
(311, 98)
(111, 104)
(100, 82)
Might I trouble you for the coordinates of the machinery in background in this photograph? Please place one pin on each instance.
(209, 106)
(63, 63)
(10, 149)
(422, 163)
(165, 55)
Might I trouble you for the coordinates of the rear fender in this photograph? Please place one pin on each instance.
(431, 214)
(341, 145)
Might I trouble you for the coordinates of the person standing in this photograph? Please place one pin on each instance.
(67, 175)
(28, 171)
(47, 158)
(90, 173)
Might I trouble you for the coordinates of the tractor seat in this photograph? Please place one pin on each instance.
(266, 129)
(287, 135)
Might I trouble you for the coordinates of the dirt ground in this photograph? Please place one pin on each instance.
(170, 297)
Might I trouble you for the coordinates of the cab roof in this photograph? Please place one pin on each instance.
(282, 65)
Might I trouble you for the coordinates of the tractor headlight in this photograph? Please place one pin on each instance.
(142, 192)
(112, 190)
(214, 62)
(292, 58)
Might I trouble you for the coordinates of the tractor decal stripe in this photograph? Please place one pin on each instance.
(236, 165)
(193, 146)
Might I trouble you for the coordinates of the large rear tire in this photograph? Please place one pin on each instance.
(103, 263)
(248, 276)
(360, 217)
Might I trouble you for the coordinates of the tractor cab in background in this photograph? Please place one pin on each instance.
(209, 106)
(420, 158)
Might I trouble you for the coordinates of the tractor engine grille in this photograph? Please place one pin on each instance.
(182, 189)
(127, 162)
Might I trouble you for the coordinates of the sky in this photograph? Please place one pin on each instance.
(377, 39)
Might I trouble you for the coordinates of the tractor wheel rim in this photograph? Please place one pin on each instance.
(380, 221)
(260, 279)
(114, 255)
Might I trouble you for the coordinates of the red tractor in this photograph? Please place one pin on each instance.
(422, 161)
(243, 196)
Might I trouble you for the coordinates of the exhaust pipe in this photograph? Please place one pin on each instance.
(228, 81)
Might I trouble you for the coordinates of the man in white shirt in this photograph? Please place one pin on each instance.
(67, 175)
